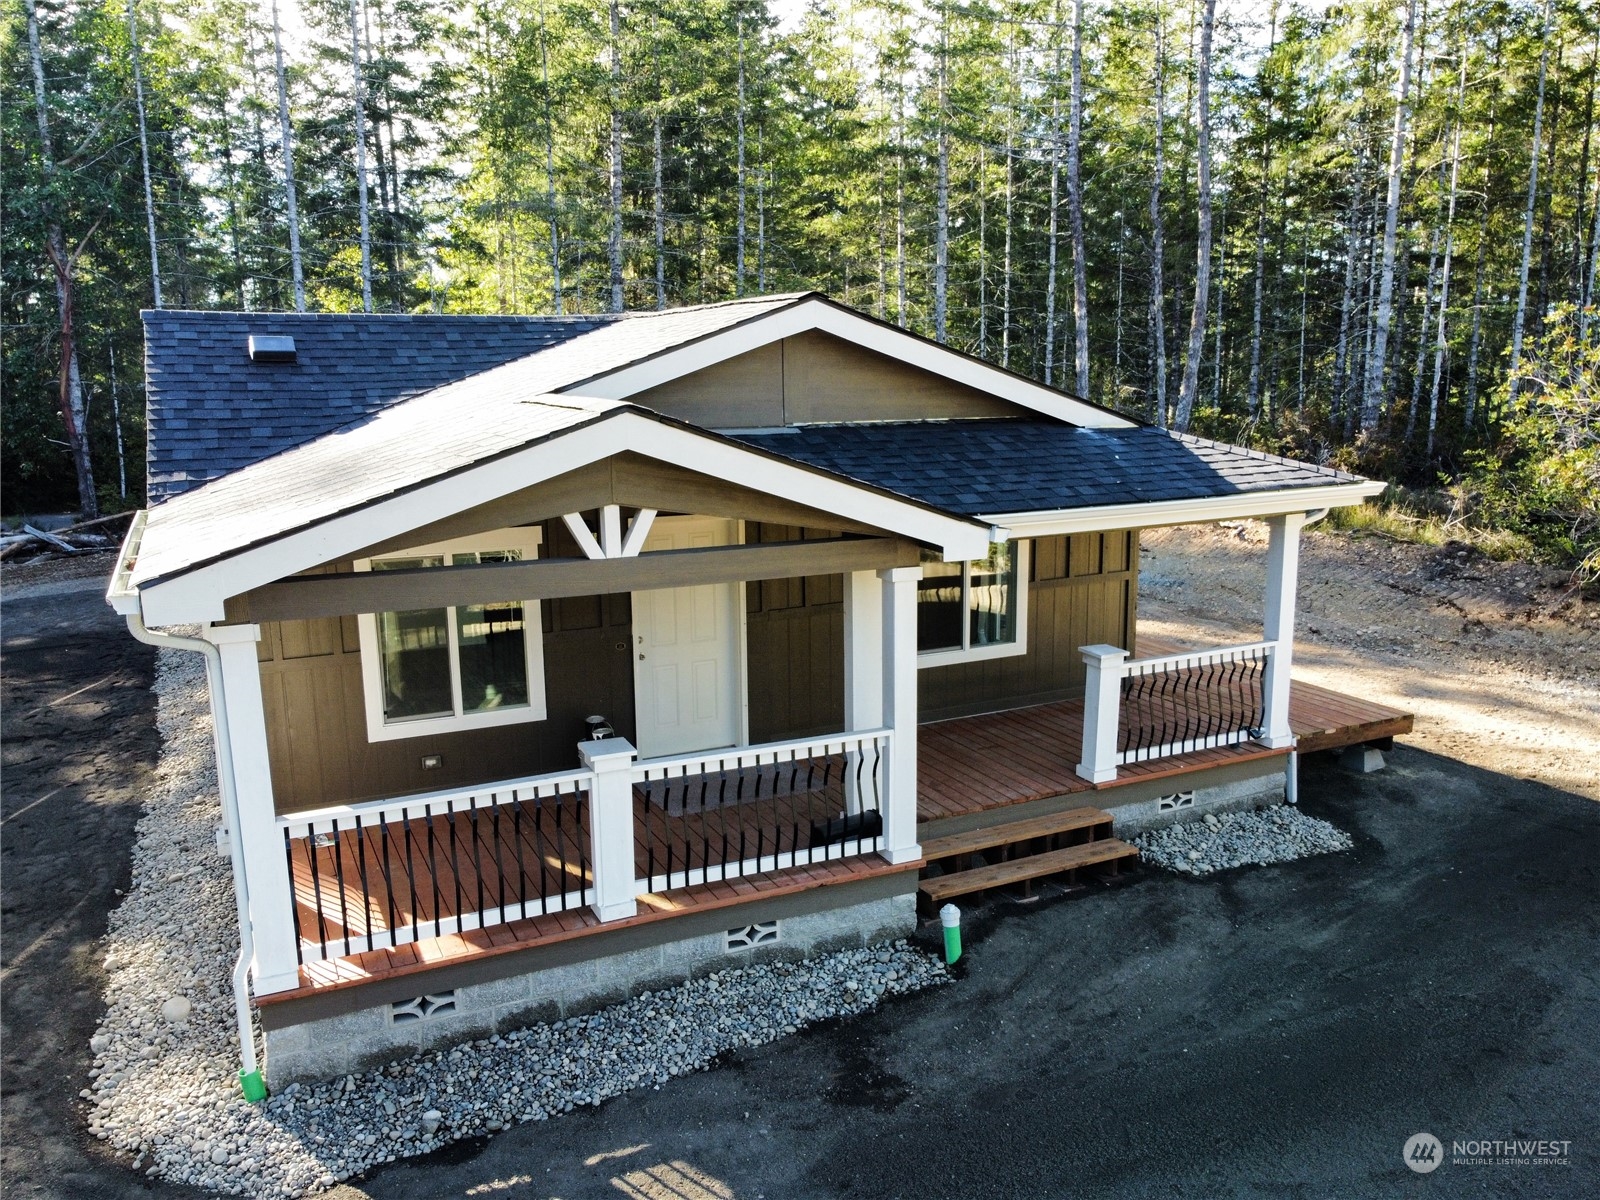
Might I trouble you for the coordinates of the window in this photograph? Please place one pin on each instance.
(472, 666)
(973, 610)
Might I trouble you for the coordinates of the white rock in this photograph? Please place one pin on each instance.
(177, 1010)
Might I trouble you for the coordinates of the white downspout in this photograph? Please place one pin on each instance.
(250, 1076)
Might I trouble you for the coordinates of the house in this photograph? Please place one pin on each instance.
(557, 657)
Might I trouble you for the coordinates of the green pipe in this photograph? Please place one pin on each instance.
(253, 1086)
(950, 918)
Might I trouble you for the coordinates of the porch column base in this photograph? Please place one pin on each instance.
(611, 826)
(267, 985)
(1103, 775)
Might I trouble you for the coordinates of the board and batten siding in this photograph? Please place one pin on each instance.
(794, 642)
(815, 377)
(1082, 591)
(316, 714)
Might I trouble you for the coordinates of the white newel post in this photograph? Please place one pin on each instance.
(1283, 569)
(863, 666)
(611, 826)
(1102, 704)
(275, 968)
(899, 640)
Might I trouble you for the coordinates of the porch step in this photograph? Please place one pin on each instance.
(1096, 822)
(1106, 852)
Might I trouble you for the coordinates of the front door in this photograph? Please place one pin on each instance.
(686, 651)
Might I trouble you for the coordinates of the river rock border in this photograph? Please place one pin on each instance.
(164, 1087)
(1220, 842)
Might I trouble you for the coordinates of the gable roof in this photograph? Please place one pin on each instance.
(992, 467)
(211, 410)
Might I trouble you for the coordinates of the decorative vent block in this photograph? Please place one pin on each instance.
(748, 936)
(423, 1007)
(1175, 801)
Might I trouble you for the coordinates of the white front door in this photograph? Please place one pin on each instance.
(686, 651)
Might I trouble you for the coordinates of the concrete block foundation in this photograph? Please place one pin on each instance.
(371, 1036)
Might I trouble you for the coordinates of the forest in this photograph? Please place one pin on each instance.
(1363, 234)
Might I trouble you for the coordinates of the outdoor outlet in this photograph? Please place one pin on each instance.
(432, 762)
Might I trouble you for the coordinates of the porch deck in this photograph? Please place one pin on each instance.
(966, 766)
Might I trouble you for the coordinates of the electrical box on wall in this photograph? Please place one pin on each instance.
(432, 762)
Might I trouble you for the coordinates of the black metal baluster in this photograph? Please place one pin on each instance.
(388, 876)
(316, 887)
(433, 872)
(366, 896)
(411, 876)
(455, 860)
(522, 872)
(294, 895)
(338, 871)
(499, 869)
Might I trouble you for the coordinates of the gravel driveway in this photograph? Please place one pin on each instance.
(1267, 1031)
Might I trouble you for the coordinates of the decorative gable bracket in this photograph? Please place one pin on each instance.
(611, 542)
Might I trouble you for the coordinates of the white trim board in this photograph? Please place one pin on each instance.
(197, 595)
(1185, 512)
(816, 313)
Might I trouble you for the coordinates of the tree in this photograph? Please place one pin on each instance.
(1202, 276)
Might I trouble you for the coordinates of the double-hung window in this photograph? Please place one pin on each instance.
(469, 666)
(973, 610)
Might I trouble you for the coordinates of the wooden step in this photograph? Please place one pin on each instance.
(1019, 870)
(1013, 832)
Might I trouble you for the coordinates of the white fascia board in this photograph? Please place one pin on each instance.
(198, 595)
(123, 599)
(808, 315)
(1046, 523)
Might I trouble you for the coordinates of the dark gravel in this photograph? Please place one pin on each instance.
(1275, 1031)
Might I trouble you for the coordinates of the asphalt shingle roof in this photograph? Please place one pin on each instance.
(1007, 466)
(413, 441)
(211, 410)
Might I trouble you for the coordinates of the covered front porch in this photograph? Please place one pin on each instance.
(399, 890)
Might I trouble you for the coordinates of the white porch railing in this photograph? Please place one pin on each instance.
(386, 873)
(752, 809)
(1137, 710)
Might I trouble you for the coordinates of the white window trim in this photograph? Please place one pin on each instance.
(1012, 649)
(527, 540)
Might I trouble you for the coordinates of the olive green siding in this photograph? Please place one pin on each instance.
(1082, 591)
(316, 714)
(794, 637)
(812, 377)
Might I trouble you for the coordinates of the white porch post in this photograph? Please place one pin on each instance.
(1283, 569)
(275, 968)
(899, 658)
(1102, 704)
(863, 665)
(611, 826)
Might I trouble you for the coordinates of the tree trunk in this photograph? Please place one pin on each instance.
(360, 100)
(941, 238)
(1055, 199)
(1372, 391)
(550, 166)
(1520, 317)
(761, 214)
(144, 153)
(1253, 387)
(983, 253)
(1470, 406)
(738, 272)
(286, 143)
(1080, 287)
(1341, 352)
(660, 217)
(1449, 250)
(614, 249)
(1189, 390)
(1428, 282)
(70, 397)
(1005, 284)
(1158, 313)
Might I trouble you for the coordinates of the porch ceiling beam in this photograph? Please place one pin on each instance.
(311, 596)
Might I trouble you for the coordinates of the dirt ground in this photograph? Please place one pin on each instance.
(1270, 1032)
(78, 746)
(1499, 662)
